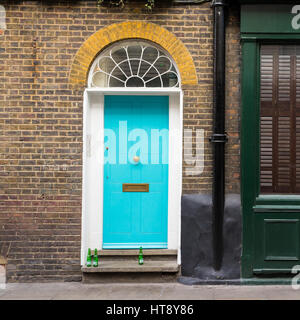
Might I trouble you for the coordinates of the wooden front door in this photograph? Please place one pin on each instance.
(136, 172)
(271, 161)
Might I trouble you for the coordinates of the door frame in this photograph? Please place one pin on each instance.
(93, 156)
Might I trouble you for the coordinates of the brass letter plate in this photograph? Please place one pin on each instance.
(135, 187)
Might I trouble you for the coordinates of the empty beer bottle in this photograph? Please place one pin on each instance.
(89, 258)
(141, 258)
(95, 260)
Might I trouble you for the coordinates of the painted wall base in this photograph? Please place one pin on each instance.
(196, 239)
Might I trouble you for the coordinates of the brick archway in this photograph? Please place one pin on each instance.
(129, 30)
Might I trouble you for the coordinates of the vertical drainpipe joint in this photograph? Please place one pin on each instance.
(218, 138)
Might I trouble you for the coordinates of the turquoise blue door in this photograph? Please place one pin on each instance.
(135, 202)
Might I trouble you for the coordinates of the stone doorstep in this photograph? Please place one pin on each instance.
(122, 261)
(133, 266)
(135, 252)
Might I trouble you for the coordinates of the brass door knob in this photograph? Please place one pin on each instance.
(136, 159)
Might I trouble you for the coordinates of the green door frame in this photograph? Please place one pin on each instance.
(250, 114)
(249, 138)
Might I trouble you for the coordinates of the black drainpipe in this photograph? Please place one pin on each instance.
(219, 137)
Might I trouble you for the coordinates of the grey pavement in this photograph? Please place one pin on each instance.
(144, 291)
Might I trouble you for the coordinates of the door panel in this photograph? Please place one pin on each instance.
(134, 219)
(151, 218)
(276, 242)
(120, 223)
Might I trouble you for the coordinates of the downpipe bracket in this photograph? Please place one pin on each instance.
(218, 138)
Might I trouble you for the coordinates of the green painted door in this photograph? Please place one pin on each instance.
(270, 158)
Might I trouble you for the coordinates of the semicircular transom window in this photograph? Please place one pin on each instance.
(134, 64)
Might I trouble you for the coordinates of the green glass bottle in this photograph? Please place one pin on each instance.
(89, 258)
(95, 260)
(141, 258)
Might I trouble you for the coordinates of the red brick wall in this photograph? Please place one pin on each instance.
(41, 122)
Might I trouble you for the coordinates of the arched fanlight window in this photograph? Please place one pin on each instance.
(134, 63)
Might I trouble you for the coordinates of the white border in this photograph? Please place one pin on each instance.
(92, 185)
